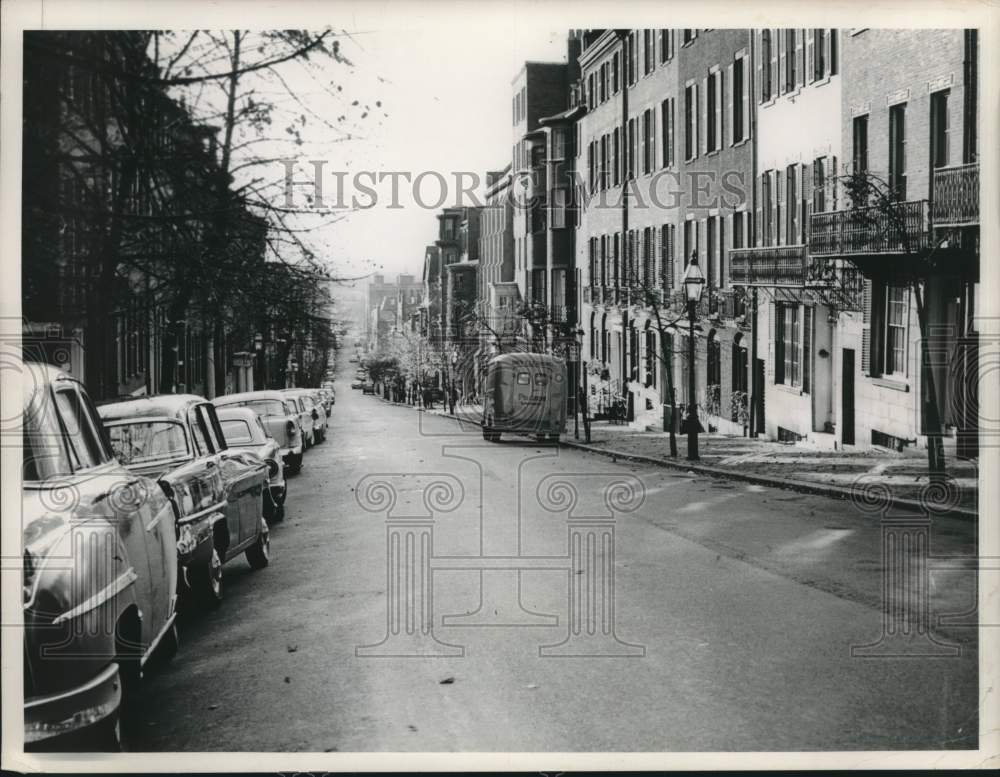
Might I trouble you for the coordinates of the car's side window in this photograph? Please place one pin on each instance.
(211, 420)
(99, 431)
(84, 449)
(45, 452)
(199, 433)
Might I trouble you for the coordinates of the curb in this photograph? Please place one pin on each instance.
(801, 486)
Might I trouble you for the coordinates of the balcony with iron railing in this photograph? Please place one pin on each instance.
(901, 228)
(769, 266)
(955, 200)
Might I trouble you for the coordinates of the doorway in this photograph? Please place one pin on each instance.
(847, 397)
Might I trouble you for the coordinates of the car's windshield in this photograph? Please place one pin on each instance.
(237, 431)
(142, 441)
(264, 407)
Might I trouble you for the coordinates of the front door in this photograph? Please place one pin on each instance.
(847, 397)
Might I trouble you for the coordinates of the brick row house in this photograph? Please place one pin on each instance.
(118, 179)
(842, 275)
(666, 143)
(742, 148)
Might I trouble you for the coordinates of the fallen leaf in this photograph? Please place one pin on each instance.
(292, 648)
(288, 679)
(213, 706)
(447, 681)
(531, 686)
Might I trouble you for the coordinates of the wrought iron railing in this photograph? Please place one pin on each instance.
(900, 229)
(956, 196)
(768, 266)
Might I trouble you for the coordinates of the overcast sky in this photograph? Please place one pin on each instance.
(445, 96)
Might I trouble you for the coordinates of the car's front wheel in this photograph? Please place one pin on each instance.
(259, 554)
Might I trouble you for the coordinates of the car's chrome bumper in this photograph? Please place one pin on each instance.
(195, 543)
(63, 713)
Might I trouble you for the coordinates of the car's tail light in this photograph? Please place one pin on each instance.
(30, 573)
(272, 468)
(315, 415)
(290, 428)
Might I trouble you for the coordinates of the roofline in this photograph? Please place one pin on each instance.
(535, 63)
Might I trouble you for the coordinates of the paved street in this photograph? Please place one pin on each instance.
(747, 634)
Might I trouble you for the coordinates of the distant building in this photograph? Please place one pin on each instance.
(391, 306)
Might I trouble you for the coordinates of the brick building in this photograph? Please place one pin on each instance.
(390, 306)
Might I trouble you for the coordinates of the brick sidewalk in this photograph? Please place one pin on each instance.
(861, 476)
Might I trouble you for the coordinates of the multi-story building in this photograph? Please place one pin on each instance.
(909, 118)
(498, 295)
(389, 306)
(542, 171)
(809, 327)
(666, 143)
(114, 290)
(797, 301)
(430, 307)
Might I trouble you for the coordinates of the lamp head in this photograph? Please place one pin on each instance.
(694, 280)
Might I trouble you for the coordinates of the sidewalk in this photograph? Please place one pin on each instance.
(870, 479)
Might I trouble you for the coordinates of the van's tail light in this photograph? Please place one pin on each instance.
(315, 415)
(290, 428)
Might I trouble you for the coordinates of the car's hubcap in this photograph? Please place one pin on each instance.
(215, 574)
(265, 540)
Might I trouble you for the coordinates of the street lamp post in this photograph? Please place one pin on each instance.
(694, 283)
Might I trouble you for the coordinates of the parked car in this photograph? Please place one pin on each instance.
(305, 416)
(280, 416)
(100, 571)
(356, 384)
(367, 387)
(217, 494)
(323, 408)
(244, 431)
(314, 407)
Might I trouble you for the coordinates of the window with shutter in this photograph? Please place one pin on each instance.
(866, 328)
(730, 91)
(779, 211)
(699, 116)
(782, 47)
(777, 345)
(758, 210)
(811, 55)
(764, 66)
(791, 52)
(718, 109)
(807, 325)
(800, 58)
